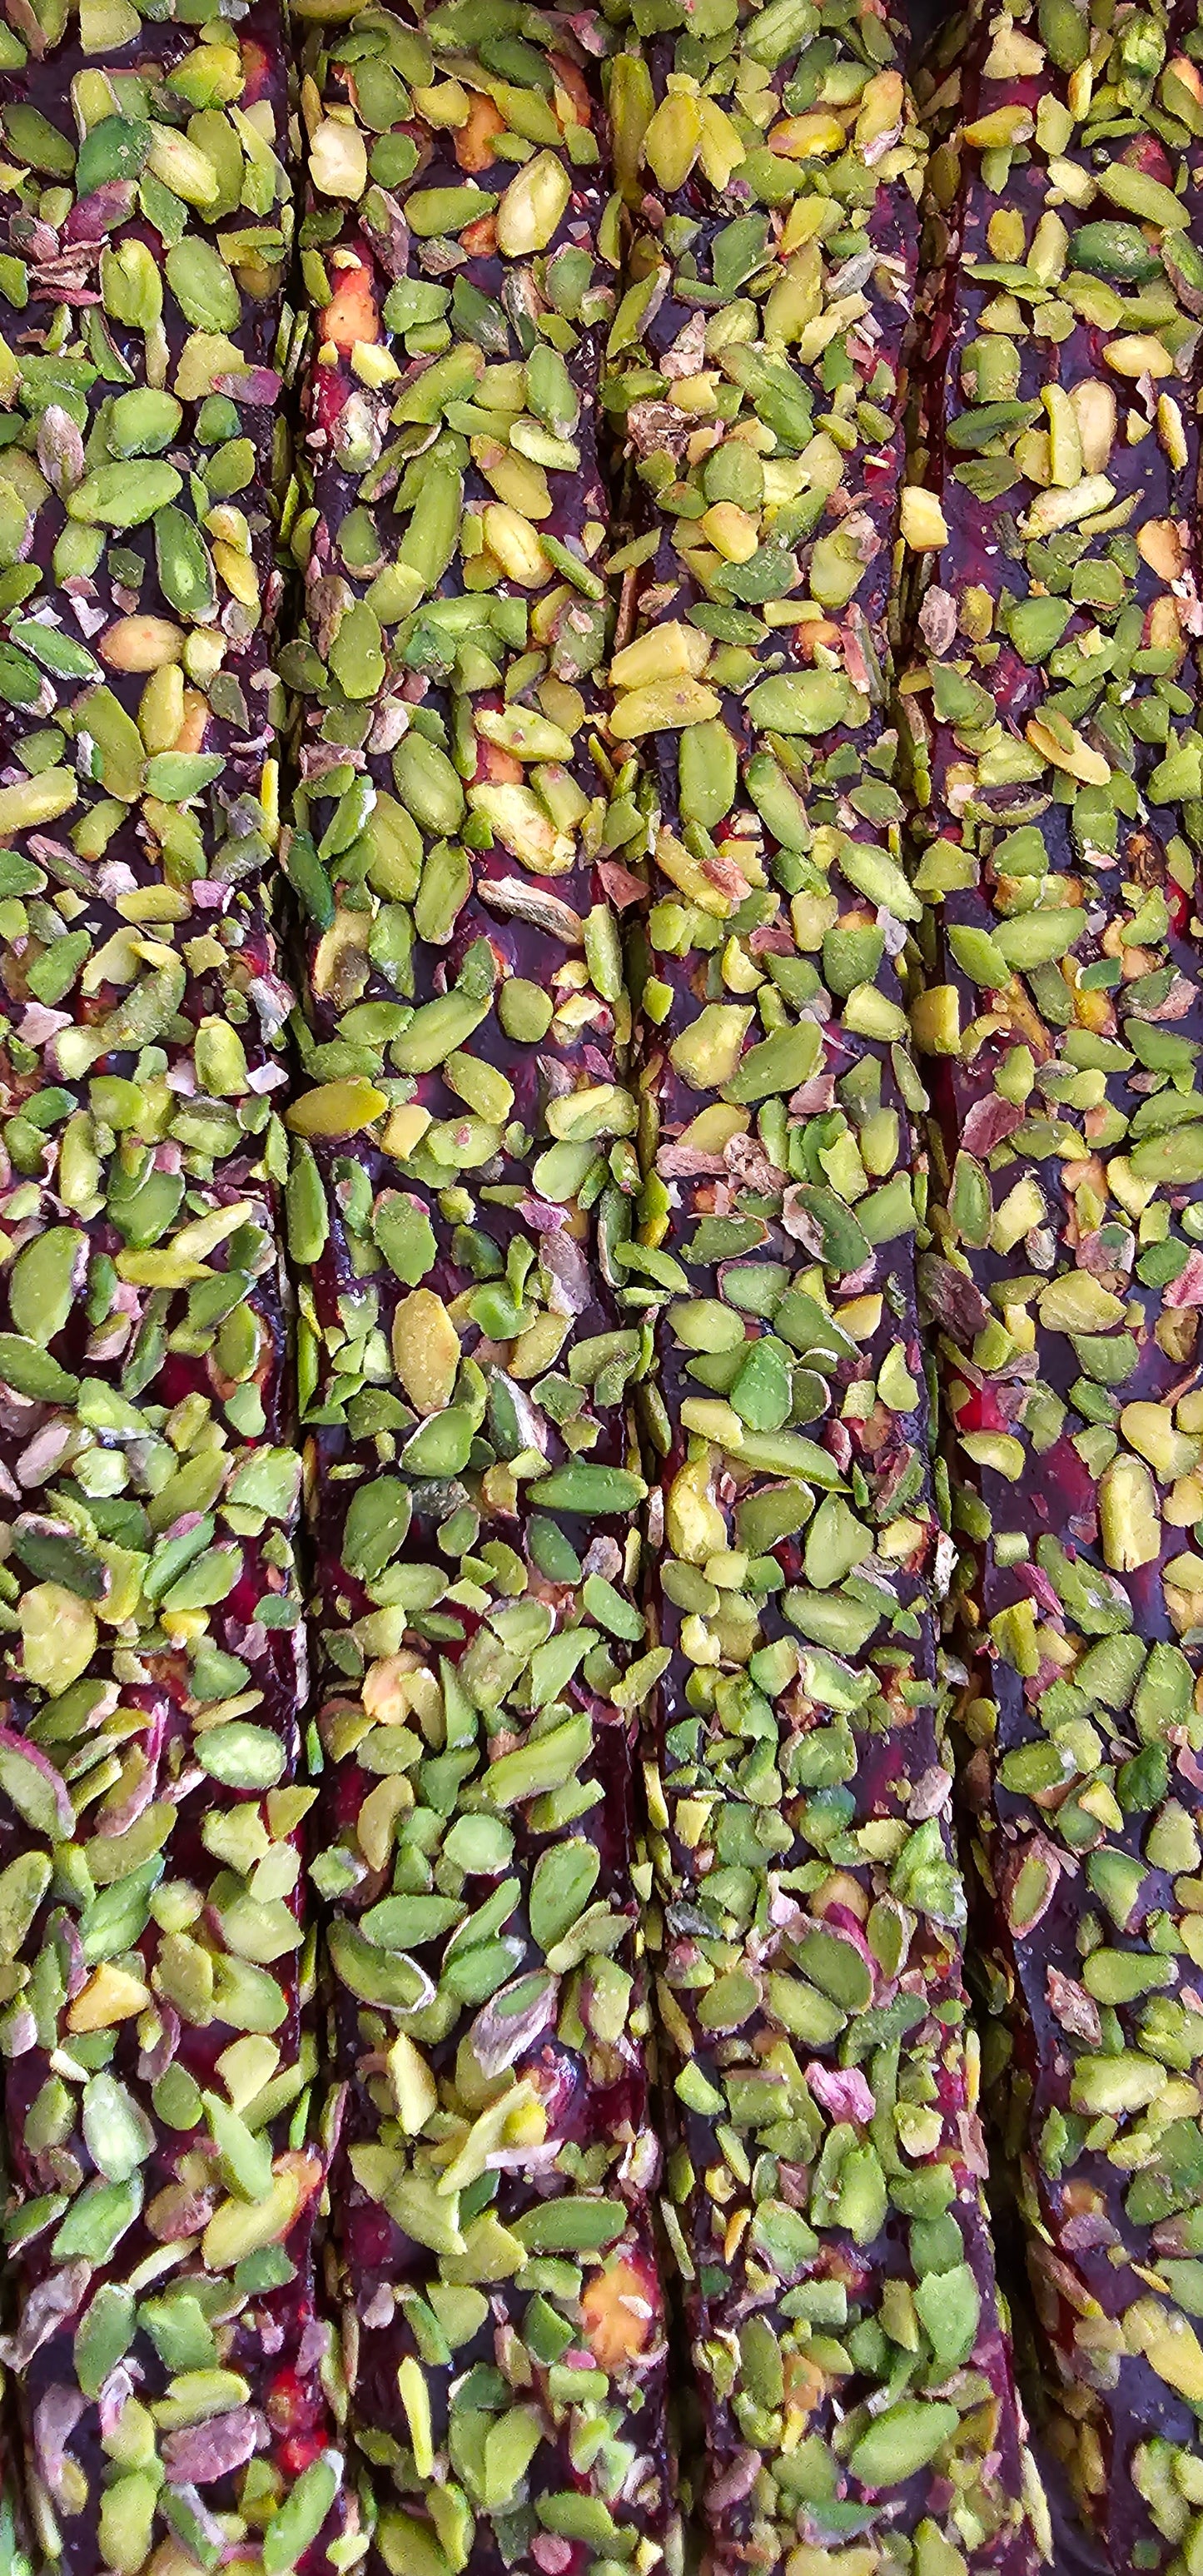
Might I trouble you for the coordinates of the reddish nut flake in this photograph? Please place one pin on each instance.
(1053, 739)
(156, 2015)
(620, 2308)
(825, 2167)
(460, 1206)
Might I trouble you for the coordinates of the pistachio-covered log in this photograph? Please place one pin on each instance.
(163, 2338)
(825, 2163)
(459, 1205)
(1060, 766)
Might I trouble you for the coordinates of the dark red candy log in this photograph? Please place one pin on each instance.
(157, 2029)
(460, 1201)
(827, 2163)
(1056, 758)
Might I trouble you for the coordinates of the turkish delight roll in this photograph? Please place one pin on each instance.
(156, 2025)
(460, 1205)
(825, 2175)
(1053, 715)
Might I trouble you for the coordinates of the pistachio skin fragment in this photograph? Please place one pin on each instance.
(824, 2200)
(1051, 715)
(156, 1970)
(461, 1195)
